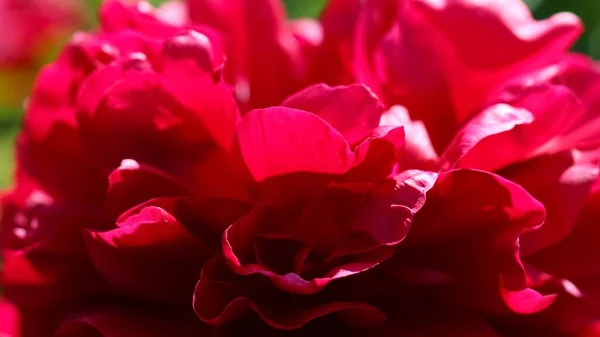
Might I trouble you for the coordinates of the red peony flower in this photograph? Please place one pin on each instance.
(464, 204)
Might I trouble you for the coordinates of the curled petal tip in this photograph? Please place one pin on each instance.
(192, 45)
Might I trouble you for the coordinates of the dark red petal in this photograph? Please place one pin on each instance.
(205, 219)
(469, 228)
(151, 254)
(41, 280)
(61, 166)
(435, 322)
(133, 183)
(249, 228)
(20, 322)
(33, 221)
(222, 296)
(465, 202)
(576, 256)
(376, 158)
(132, 321)
(562, 182)
(137, 119)
(94, 88)
(387, 216)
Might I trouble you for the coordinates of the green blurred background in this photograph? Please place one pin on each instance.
(11, 80)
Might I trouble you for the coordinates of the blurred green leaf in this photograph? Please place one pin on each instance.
(587, 10)
(533, 4)
(304, 8)
(10, 119)
(7, 138)
(594, 42)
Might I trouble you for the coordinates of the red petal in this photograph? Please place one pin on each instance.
(20, 322)
(376, 158)
(465, 202)
(576, 256)
(278, 141)
(188, 75)
(151, 254)
(267, 59)
(133, 183)
(352, 110)
(562, 182)
(418, 152)
(131, 321)
(469, 228)
(514, 134)
(338, 20)
(422, 54)
(248, 229)
(221, 296)
(435, 322)
(11, 320)
(41, 280)
(506, 37)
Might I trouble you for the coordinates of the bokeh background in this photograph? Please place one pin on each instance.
(16, 80)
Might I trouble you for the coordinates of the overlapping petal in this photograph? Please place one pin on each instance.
(149, 248)
(268, 58)
(222, 296)
(470, 228)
